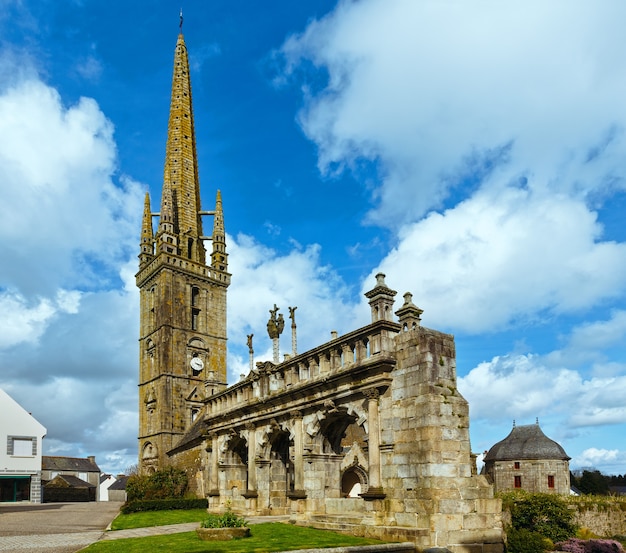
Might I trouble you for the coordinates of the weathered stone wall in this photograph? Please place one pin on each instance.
(605, 520)
(192, 463)
(428, 472)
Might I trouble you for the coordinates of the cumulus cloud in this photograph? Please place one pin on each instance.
(494, 154)
(439, 94)
(514, 386)
(506, 256)
(68, 232)
(62, 217)
(594, 457)
(584, 405)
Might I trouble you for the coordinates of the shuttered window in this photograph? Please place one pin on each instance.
(20, 446)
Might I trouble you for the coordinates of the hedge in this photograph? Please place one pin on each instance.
(163, 505)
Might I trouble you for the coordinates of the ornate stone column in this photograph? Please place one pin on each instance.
(298, 463)
(374, 490)
(214, 488)
(294, 340)
(251, 491)
(250, 352)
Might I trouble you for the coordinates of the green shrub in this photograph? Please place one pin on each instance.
(167, 483)
(522, 540)
(545, 514)
(163, 505)
(227, 519)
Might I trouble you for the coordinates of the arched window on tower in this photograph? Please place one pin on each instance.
(151, 304)
(195, 309)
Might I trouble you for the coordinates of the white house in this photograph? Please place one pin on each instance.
(105, 481)
(20, 458)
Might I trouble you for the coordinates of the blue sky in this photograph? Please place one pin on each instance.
(473, 152)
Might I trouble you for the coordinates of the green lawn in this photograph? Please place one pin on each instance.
(157, 518)
(264, 538)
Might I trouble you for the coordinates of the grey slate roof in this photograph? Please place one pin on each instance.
(526, 442)
(76, 464)
(194, 435)
(119, 484)
(68, 481)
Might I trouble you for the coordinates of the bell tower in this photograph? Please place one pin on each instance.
(182, 336)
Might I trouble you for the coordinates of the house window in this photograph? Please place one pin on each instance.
(518, 481)
(550, 481)
(517, 465)
(21, 446)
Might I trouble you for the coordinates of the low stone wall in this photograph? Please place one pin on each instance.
(382, 548)
(603, 520)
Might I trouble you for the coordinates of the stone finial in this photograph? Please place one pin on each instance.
(381, 299)
(409, 315)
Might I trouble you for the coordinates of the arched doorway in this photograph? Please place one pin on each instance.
(281, 470)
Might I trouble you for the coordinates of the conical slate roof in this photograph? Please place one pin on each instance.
(526, 442)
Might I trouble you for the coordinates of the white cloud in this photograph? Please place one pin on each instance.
(581, 412)
(62, 218)
(68, 238)
(514, 386)
(439, 92)
(90, 68)
(593, 457)
(600, 334)
(580, 408)
(21, 322)
(457, 105)
(505, 256)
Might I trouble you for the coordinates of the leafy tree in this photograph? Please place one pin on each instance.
(593, 482)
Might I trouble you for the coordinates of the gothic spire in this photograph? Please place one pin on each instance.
(181, 185)
(219, 257)
(147, 233)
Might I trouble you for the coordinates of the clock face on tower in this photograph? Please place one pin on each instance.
(196, 364)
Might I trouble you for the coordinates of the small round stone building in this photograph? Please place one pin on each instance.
(527, 459)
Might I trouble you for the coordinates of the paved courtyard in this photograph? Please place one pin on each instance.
(53, 527)
(68, 527)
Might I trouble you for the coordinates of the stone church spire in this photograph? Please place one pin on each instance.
(180, 202)
(183, 334)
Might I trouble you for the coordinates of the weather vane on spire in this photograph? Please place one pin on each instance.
(181, 20)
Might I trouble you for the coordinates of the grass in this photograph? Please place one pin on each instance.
(264, 539)
(157, 518)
